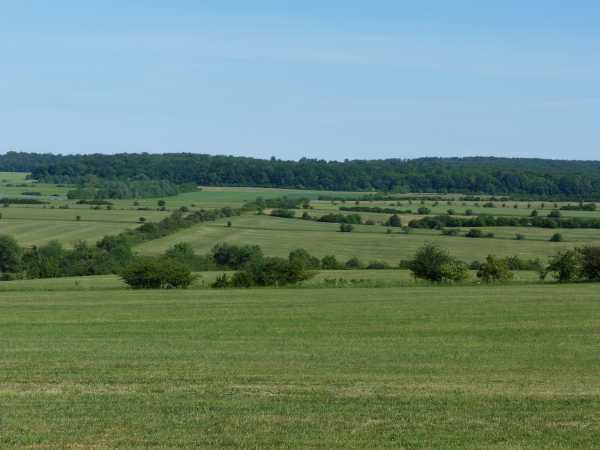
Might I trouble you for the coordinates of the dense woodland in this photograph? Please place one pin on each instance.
(94, 189)
(568, 180)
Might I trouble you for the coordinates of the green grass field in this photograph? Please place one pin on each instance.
(351, 359)
(431, 367)
(278, 236)
(321, 278)
(34, 225)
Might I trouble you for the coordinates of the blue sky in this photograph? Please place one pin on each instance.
(323, 79)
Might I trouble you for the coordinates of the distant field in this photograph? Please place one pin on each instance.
(218, 197)
(522, 211)
(436, 368)
(278, 236)
(38, 225)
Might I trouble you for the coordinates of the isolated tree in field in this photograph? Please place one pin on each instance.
(394, 221)
(435, 264)
(557, 237)
(474, 233)
(354, 263)
(494, 270)
(346, 228)
(10, 255)
(554, 214)
(161, 203)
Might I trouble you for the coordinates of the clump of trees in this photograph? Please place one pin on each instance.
(432, 263)
(494, 270)
(263, 271)
(284, 213)
(476, 233)
(580, 264)
(353, 219)
(93, 188)
(155, 273)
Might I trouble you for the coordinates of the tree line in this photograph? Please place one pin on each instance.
(552, 220)
(93, 188)
(535, 178)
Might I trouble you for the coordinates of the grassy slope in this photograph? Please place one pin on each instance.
(38, 225)
(278, 236)
(470, 367)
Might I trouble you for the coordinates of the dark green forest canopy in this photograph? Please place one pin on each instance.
(569, 180)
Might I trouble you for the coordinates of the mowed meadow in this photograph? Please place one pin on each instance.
(278, 236)
(424, 367)
(348, 359)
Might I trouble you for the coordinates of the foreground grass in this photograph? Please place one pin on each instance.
(435, 367)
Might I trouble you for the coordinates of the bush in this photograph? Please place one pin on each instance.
(435, 264)
(272, 271)
(233, 256)
(221, 282)
(450, 232)
(394, 221)
(555, 214)
(454, 271)
(590, 262)
(330, 262)
(284, 213)
(305, 259)
(423, 210)
(241, 279)
(494, 270)
(474, 233)
(377, 265)
(152, 273)
(519, 237)
(354, 263)
(557, 237)
(346, 228)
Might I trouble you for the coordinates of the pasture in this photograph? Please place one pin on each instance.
(278, 236)
(424, 367)
(36, 225)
